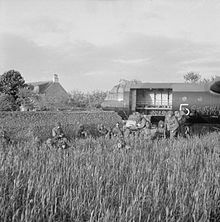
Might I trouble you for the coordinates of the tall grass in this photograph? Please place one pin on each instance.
(163, 180)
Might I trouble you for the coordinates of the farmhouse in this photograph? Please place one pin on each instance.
(50, 94)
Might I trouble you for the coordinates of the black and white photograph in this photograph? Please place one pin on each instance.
(109, 110)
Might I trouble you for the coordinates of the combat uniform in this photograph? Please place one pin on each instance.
(160, 132)
(182, 130)
(117, 132)
(57, 132)
(147, 134)
(142, 123)
(58, 136)
(102, 131)
(81, 133)
(172, 126)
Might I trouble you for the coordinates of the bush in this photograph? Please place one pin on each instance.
(7, 102)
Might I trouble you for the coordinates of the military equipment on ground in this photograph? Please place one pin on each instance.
(199, 101)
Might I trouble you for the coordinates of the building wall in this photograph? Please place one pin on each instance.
(55, 94)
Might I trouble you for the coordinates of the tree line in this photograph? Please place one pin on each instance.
(87, 100)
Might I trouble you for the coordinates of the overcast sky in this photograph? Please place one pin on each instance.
(92, 44)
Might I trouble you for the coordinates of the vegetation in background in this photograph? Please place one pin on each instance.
(87, 100)
(29, 99)
(167, 180)
(10, 84)
(7, 103)
(192, 77)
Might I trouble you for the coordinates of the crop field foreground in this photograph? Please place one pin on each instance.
(167, 180)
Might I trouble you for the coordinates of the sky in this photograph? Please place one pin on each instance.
(92, 44)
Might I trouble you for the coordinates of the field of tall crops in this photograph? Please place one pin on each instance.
(167, 180)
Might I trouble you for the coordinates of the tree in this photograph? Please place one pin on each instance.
(208, 80)
(192, 77)
(29, 99)
(7, 103)
(96, 98)
(11, 82)
(87, 100)
(78, 99)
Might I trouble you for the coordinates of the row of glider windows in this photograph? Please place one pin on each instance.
(155, 99)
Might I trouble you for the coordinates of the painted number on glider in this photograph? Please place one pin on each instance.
(183, 107)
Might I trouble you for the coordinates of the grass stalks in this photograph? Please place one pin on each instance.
(92, 181)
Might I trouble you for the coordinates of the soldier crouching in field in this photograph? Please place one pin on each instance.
(103, 131)
(160, 131)
(81, 133)
(58, 137)
(148, 132)
(117, 131)
(118, 134)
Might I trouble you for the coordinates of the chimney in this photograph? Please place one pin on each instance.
(55, 78)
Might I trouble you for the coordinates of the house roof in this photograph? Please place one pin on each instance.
(43, 86)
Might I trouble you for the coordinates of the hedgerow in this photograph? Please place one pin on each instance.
(23, 125)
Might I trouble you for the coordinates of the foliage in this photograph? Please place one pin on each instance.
(10, 84)
(208, 80)
(78, 99)
(96, 98)
(29, 98)
(6, 102)
(168, 180)
(87, 100)
(192, 77)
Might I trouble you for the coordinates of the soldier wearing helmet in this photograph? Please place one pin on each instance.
(102, 130)
(160, 132)
(171, 124)
(57, 131)
(181, 118)
(82, 133)
(148, 132)
(117, 131)
(58, 135)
